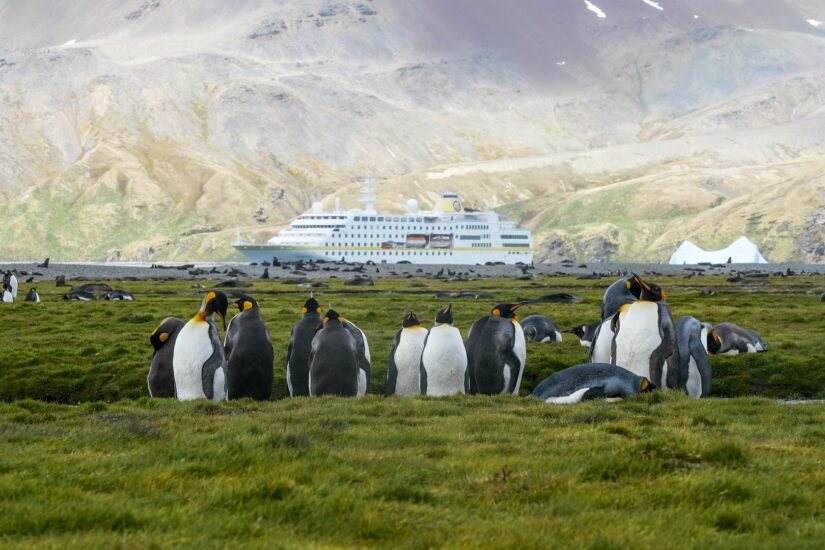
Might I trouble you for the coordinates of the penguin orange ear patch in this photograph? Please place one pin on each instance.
(317, 310)
(644, 384)
(164, 336)
(497, 312)
(303, 310)
(627, 284)
(247, 305)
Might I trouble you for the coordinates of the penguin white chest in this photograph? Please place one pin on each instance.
(445, 361)
(694, 381)
(602, 346)
(520, 350)
(193, 348)
(638, 337)
(408, 361)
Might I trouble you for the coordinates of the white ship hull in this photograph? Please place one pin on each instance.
(259, 253)
(448, 234)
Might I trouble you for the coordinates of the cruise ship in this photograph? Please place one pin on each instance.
(448, 234)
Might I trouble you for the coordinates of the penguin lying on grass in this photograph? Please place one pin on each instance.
(586, 333)
(736, 340)
(590, 381)
(539, 328)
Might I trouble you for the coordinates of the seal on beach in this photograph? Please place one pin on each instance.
(300, 344)
(539, 328)
(333, 360)
(695, 341)
(496, 352)
(736, 340)
(199, 362)
(404, 363)
(32, 296)
(161, 379)
(444, 358)
(249, 356)
(590, 381)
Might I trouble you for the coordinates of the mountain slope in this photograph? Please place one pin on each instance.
(152, 129)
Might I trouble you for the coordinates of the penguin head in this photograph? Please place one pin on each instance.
(507, 311)
(410, 320)
(331, 315)
(714, 343)
(161, 333)
(245, 302)
(311, 306)
(646, 386)
(444, 315)
(577, 330)
(644, 290)
(215, 301)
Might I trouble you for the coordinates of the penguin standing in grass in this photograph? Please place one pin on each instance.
(198, 359)
(638, 332)
(161, 379)
(32, 296)
(362, 353)
(249, 356)
(496, 352)
(444, 358)
(300, 344)
(404, 363)
(11, 279)
(333, 360)
(696, 341)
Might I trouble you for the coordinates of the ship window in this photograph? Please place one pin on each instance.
(380, 218)
(372, 218)
(358, 218)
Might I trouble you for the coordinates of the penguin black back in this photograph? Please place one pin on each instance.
(300, 345)
(495, 352)
(249, 356)
(333, 362)
(161, 379)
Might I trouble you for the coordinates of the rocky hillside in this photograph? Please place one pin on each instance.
(153, 129)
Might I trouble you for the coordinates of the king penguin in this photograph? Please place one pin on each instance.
(638, 333)
(539, 328)
(496, 352)
(32, 296)
(590, 381)
(333, 360)
(300, 344)
(444, 358)
(199, 362)
(161, 379)
(249, 356)
(11, 279)
(362, 354)
(696, 341)
(736, 340)
(586, 333)
(404, 363)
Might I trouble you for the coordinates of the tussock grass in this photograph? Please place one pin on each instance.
(87, 459)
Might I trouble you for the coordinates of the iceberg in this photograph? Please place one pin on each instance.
(740, 251)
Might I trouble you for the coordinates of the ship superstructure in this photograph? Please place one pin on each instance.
(448, 234)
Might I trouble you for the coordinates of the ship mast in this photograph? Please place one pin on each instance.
(368, 194)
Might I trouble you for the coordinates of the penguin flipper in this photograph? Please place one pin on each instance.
(594, 392)
(700, 356)
(510, 358)
(592, 347)
(392, 368)
(210, 367)
(422, 379)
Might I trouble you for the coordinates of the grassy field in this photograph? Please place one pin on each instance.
(87, 459)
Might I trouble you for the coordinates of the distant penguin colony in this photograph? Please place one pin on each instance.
(635, 348)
